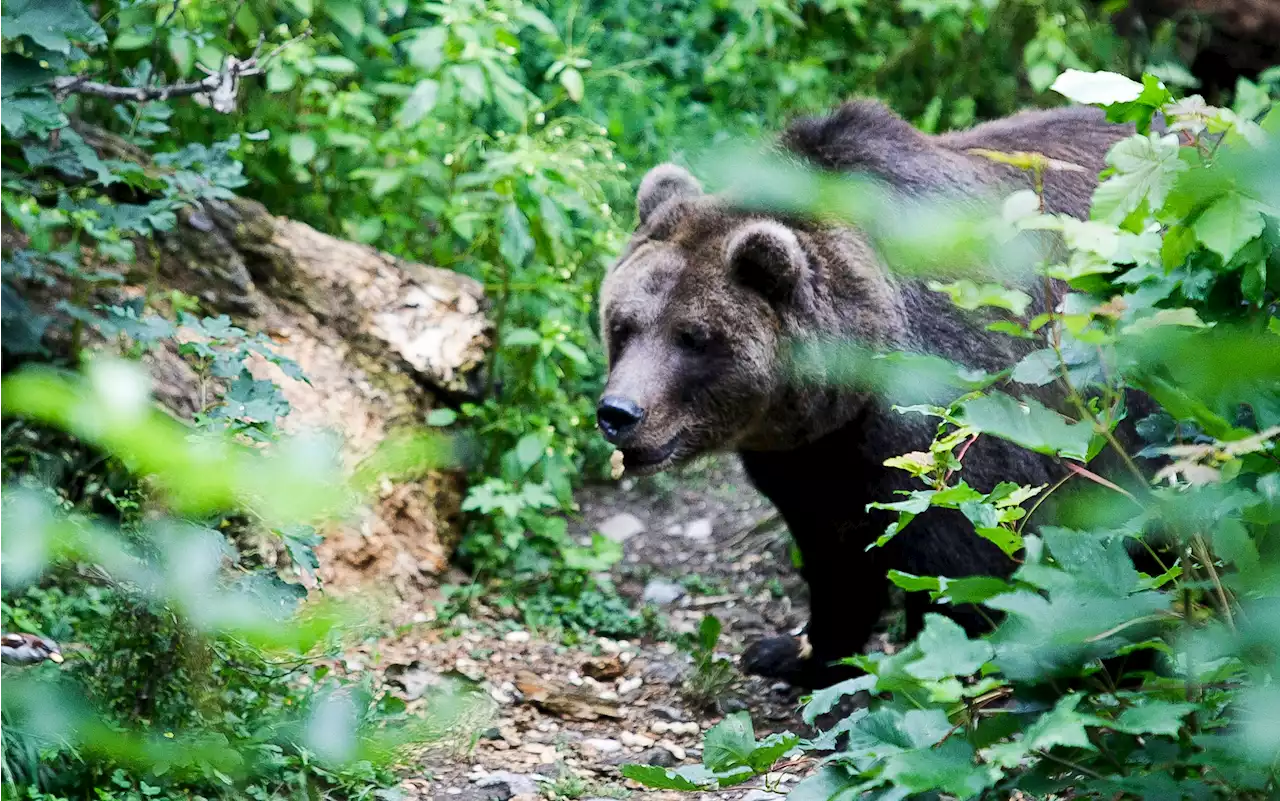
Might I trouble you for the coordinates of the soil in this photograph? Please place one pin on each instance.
(563, 718)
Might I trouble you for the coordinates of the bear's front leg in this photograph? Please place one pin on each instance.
(844, 609)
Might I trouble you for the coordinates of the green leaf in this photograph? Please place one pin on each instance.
(948, 768)
(1096, 88)
(823, 701)
(515, 243)
(1229, 224)
(830, 782)
(659, 778)
(1028, 424)
(349, 14)
(182, 52)
(51, 24)
(967, 295)
(770, 750)
(1037, 368)
(426, 49)
(471, 82)
(708, 633)
(947, 650)
(1146, 169)
(729, 743)
(302, 148)
(1154, 717)
(572, 82)
(530, 449)
(338, 65)
(419, 103)
(536, 19)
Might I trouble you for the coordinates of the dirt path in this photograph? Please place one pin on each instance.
(697, 543)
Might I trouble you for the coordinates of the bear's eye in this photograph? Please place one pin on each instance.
(619, 332)
(693, 339)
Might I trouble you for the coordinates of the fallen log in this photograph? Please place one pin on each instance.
(382, 342)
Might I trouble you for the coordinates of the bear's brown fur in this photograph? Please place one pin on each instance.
(696, 313)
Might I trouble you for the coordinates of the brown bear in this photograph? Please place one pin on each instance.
(699, 307)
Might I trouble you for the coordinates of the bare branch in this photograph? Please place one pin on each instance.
(219, 88)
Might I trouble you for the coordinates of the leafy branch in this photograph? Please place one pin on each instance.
(221, 86)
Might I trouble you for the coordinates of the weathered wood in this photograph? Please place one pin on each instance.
(379, 339)
(382, 341)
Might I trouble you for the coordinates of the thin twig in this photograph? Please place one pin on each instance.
(220, 85)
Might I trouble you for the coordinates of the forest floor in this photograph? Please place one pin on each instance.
(565, 717)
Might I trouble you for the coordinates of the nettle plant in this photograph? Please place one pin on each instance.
(1175, 278)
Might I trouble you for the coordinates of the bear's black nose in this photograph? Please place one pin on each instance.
(618, 417)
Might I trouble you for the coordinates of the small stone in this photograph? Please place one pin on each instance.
(632, 740)
(763, 795)
(658, 757)
(603, 746)
(668, 713)
(516, 636)
(627, 686)
(420, 617)
(453, 791)
(699, 529)
(621, 527)
(671, 748)
(661, 592)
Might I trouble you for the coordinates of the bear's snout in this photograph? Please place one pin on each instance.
(618, 417)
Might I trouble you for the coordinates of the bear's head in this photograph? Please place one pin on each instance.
(697, 315)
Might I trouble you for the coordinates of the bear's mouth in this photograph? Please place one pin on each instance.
(643, 461)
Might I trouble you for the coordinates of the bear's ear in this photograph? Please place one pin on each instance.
(766, 256)
(661, 184)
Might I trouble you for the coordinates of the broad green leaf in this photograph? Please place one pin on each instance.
(51, 24)
(536, 19)
(521, 338)
(419, 103)
(968, 295)
(530, 449)
(969, 590)
(182, 52)
(426, 49)
(474, 89)
(1229, 224)
(827, 784)
(302, 148)
(338, 65)
(729, 743)
(1146, 169)
(1037, 368)
(515, 242)
(349, 14)
(771, 749)
(1096, 88)
(1028, 424)
(947, 650)
(1063, 725)
(659, 778)
(1153, 716)
(1005, 539)
(823, 701)
(949, 768)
